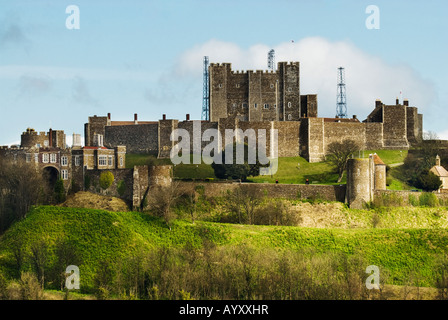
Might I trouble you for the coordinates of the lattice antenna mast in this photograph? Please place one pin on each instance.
(341, 103)
(271, 60)
(206, 92)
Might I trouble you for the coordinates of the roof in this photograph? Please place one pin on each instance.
(439, 171)
(128, 123)
(340, 120)
(94, 148)
(377, 160)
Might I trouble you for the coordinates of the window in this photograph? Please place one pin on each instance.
(110, 161)
(46, 143)
(121, 161)
(255, 105)
(77, 161)
(64, 174)
(272, 86)
(289, 89)
(237, 85)
(220, 85)
(244, 105)
(64, 160)
(266, 106)
(234, 106)
(45, 158)
(102, 160)
(28, 157)
(38, 145)
(289, 116)
(289, 104)
(53, 158)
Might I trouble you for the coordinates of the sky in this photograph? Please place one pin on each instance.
(146, 57)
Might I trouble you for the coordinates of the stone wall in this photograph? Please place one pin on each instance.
(125, 175)
(139, 138)
(289, 191)
(403, 198)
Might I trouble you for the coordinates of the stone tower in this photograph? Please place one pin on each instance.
(258, 95)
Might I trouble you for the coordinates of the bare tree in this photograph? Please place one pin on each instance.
(244, 201)
(20, 188)
(339, 152)
(161, 200)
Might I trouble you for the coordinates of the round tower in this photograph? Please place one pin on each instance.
(380, 173)
(359, 182)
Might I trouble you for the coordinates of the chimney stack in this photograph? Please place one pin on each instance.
(188, 117)
(406, 102)
(135, 118)
(108, 116)
(50, 138)
(164, 117)
(397, 102)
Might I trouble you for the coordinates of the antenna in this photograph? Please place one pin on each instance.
(206, 92)
(341, 102)
(271, 60)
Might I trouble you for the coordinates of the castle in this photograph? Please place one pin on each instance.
(267, 100)
(238, 100)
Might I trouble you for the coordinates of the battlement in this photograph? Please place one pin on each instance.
(32, 132)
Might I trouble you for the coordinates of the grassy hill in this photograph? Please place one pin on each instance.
(112, 240)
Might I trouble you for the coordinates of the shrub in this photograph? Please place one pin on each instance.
(121, 187)
(106, 179)
(428, 199)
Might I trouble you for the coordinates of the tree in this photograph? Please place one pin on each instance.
(428, 181)
(106, 179)
(233, 170)
(20, 188)
(161, 200)
(244, 201)
(59, 191)
(339, 152)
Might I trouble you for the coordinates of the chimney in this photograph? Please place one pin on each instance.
(406, 102)
(438, 161)
(355, 117)
(397, 102)
(50, 138)
(378, 103)
(188, 117)
(135, 118)
(108, 116)
(164, 117)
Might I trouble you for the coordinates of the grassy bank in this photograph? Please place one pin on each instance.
(115, 238)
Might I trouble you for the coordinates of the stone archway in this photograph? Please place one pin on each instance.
(50, 175)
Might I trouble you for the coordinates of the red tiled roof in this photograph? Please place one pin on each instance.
(377, 159)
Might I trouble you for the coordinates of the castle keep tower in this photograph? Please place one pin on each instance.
(258, 95)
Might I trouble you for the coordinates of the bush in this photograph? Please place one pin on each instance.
(106, 179)
(428, 199)
(428, 181)
(121, 187)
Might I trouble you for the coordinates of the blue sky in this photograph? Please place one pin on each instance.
(145, 57)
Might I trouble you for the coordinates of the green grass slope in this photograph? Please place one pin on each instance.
(112, 236)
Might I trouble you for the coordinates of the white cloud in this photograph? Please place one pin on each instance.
(367, 77)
